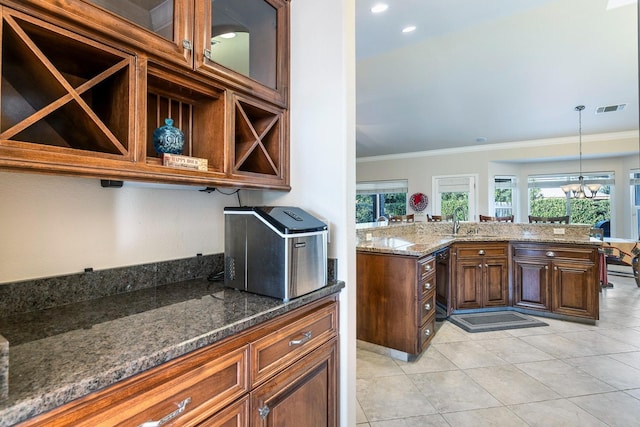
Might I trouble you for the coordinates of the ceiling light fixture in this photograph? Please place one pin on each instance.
(379, 8)
(579, 190)
(409, 29)
(227, 35)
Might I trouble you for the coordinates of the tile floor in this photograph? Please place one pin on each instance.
(564, 374)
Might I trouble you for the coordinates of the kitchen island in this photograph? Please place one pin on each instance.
(543, 269)
(61, 354)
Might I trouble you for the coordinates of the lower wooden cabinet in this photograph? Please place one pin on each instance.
(560, 279)
(303, 395)
(396, 301)
(481, 275)
(217, 385)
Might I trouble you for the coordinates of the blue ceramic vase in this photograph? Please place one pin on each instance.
(168, 139)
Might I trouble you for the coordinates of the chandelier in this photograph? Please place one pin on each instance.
(581, 190)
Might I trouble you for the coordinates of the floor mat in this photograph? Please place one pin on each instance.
(494, 321)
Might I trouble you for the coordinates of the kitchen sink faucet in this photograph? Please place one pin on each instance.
(456, 221)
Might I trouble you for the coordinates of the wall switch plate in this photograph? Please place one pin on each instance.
(369, 237)
(558, 231)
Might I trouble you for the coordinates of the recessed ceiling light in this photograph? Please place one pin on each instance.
(379, 8)
(409, 29)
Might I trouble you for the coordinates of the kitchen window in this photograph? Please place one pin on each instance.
(546, 197)
(504, 195)
(453, 192)
(380, 198)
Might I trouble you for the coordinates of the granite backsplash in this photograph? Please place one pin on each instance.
(39, 294)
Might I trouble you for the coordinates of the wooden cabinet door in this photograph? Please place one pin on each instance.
(495, 282)
(531, 283)
(573, 289)
(306, 394)
(468, 279)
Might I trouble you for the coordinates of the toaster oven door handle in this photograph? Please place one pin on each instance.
(305, 337)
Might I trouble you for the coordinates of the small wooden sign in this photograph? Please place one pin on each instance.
(184, 162)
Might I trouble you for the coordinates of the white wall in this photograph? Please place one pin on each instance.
(323, 150)
(58, 225)
(611, 152)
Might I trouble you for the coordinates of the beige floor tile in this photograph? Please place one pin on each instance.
(492, 417)
(597, 343)
(629, 336)
(451, 391)
(634, 393)
(370, 364)
(384, 398)
(514, 350)
(557, 413)
(468, 354)
(510, 385)
(616, 409)
(615, 373)
(424, 421)
(557, 346)
(360, 416)
(448, 332)
(430, 361)
(564, 379)
(632, 358)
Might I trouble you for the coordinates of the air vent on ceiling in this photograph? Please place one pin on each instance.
(610, 108)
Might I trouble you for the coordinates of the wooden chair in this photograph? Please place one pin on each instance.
(402, 218)
(439, 218)
(484, 218)
(549, 219)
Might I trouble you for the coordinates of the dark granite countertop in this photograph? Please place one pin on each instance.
(60, 354)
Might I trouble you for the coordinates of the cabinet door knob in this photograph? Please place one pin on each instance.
(481, 252)
(427, 332)
(427, 286)
(427, 306)
(263, 412)
(427, 267)
(486, 266)
(479, 265)
(551, 254)
(186, 44)
(546, 267)
(555, 268)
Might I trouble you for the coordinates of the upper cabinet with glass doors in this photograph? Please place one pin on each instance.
(246, 41)
(241, 43)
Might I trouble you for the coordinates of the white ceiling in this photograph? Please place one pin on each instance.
(506, 70)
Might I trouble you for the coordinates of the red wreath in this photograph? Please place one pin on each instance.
(418, 202)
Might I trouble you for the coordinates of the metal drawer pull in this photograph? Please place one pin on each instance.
(427, 286)
(181, 407)
(427, 267)
(427, 332)
(305, 337)
(427, 306)
(551, 254)
(481, 252)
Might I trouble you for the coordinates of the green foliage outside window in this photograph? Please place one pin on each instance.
(450, 201)
(371, 206)
(582, 211)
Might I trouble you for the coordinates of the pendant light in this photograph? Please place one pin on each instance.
(581, 190)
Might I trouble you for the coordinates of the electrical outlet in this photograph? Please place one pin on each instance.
(558, 231)
(369, 236)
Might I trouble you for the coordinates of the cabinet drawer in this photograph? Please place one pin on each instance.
(189, 392)
(469, 251)
(551, 252)
(284, 346)
(427, 332)
(427, 285)
(427, 306)
(426, 267)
